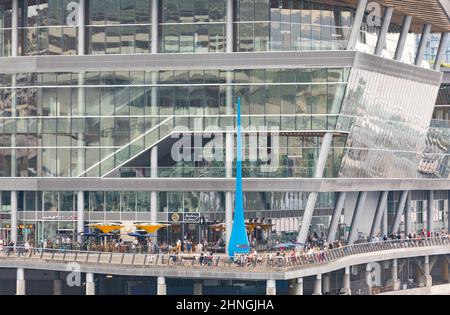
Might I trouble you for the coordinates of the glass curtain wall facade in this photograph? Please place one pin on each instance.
(103, 123)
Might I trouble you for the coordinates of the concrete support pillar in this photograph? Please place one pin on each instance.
(357, 215)
(155, 25)
(408, 215)
(198, 288)
(337, 211)
(271, 287)
(368, 278)
(298, 287)
(20, 282)
(312, 197)
(326, 283)
(430, 212)
(15, 28)
(394, 282)
(381, 42)
(80, 216)
(441, 51)
(14, 217)
(162, 287)
(229, 152)
(346, 281)
(426, 280)
(81, 27)
(318, 285)
(57, 287)
(356, 27)
(90, 284)
(422, 44)
(399, 212)
(381, 206)
(445, 276)
(403, 36)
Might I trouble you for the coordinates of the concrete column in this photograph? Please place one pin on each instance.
(162, 287)
(155, 22)
(326, 283)
(445, 276)
(14, 217)
(337, 211)
(441, 51)
(430, 212)
(403, 36)
(399, 212)
(271, 287)
(368, 278)
(198, 288)
(81, 110)
(90, 284)
(15, 28)
(229, 27)
(20, 282)
(357, 215)
(80, 215)
(408, 215)
(318, 285)
(384, 30)
(426, 279)
(356, 27)
(346, 281)
(81, 28)
(422, 44)
(57, 287)
(312, 197)
(381, 206)
(394, 282)
(298, 287)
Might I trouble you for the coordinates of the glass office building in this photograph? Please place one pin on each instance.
(124, 111)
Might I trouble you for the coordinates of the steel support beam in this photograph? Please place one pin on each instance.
(381, 42)
(403, 36)
(312, 197)
(356, 27)
(229, 137)
(155, 24)
(14, 217)
(430, 212)
(15, 28)
(399, 212)
(422, 44)
(357, 215)
(381, 206)
(337, 211)
(408, 215)
(80, 216)
(441, 51)
(81, 27)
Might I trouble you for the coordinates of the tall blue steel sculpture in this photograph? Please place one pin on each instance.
(238, 240)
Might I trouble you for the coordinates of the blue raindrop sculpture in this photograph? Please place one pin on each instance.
(238, 240)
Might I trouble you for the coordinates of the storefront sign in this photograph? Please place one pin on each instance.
(175, 217)
(192, 217)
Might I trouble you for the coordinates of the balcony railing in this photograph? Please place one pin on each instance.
(267, 261)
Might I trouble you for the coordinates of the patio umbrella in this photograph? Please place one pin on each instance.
(136, 234)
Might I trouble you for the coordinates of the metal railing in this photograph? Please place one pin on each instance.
(266, 261)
